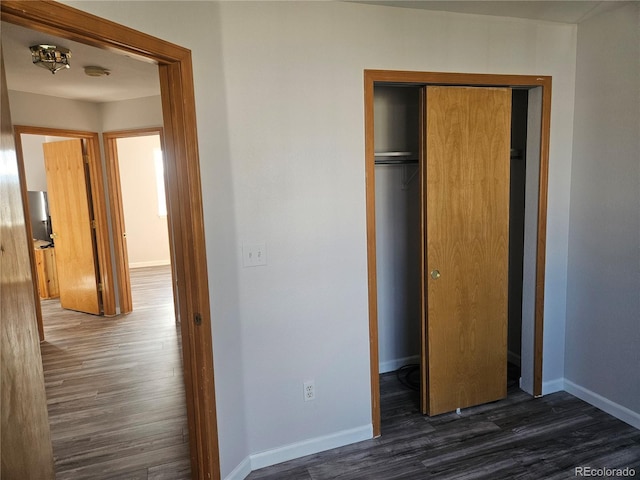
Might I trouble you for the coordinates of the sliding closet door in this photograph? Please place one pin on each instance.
(467, 242)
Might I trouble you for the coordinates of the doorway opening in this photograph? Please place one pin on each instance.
(183, 197)
(97, 258)
(129, 154)
(153, 392)
(62, 217)
(395, 149)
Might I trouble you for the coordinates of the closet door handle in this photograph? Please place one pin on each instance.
(435, 274)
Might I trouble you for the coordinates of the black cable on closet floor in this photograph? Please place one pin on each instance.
(409, 376)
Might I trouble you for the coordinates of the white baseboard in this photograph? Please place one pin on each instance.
(393, 365)
(514, 358)
(553, 386)
(152, 263)
(612, 408)
(241, 472)
(311, 446)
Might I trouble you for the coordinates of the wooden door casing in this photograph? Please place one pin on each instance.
(400, 77)
(71, 220)
(467, 237)
(183, 195)
(99, 206)
(117, 224)
(110, 140)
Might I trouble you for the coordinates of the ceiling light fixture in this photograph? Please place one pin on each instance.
(93, 71)
(50, 57)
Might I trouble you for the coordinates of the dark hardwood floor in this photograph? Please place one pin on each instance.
(115, 389)
(516, 438)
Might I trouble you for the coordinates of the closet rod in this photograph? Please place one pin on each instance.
(395, 158)
(396, 161)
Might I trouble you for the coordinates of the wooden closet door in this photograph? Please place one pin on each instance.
(467, 243)
(69, 204)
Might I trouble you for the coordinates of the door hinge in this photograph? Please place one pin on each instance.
(100, 287)
(93, 224)
(85, 157)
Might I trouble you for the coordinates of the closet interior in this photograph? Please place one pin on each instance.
(397, 187)
(397, 123)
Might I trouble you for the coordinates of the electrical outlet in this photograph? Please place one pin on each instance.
(309, 390)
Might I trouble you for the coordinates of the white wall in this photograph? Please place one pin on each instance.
(131, 114)
(603, 297)
(297, 146)
(51, 112)
(279, 94)
(147, 233)
(33, 158)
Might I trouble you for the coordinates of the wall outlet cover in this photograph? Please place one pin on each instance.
(309, 390)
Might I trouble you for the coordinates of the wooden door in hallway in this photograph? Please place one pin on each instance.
(467, 244)
(71, 220)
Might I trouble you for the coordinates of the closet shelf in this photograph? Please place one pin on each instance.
(393, 154)
(389, 161)
(395, 158)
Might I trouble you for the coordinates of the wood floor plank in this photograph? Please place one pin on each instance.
(179, 469)
(121, 467)
(115, 391)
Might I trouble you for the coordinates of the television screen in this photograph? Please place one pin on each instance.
(40, 218)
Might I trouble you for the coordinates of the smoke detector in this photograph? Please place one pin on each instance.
(93, 71)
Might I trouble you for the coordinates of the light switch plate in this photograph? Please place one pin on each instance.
(254, 254)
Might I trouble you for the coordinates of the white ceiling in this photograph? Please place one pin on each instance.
(133, 78)
(129, 78)
(572, 11)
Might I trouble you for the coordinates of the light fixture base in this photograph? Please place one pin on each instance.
(51, 57)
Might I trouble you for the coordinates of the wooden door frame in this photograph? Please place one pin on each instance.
(98, 205)
(371, 77)
(112, 166)
(184, 197)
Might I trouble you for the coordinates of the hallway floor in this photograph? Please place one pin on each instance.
(115, 389)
